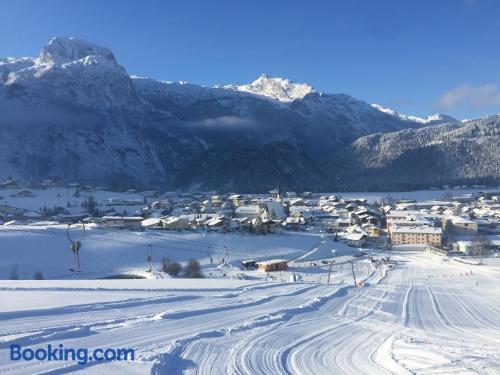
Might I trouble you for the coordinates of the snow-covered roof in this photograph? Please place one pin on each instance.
(214, 221)
(272, 261)
(461, 220)
(124, 218)
(250, 209)
(354, 236)
(416, 230)
(277, 208)
(150, 222)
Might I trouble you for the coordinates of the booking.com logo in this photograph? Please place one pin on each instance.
(79, 355)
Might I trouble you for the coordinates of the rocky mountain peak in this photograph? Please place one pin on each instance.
(62, 50)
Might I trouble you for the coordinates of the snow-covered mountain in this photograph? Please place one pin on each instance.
(452, 153)
(74, 112)
(280, 89)
(435, 119)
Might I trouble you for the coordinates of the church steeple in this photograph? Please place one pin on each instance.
(279, 197)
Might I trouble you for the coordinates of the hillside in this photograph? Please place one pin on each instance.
(74, 112)
(458, 153)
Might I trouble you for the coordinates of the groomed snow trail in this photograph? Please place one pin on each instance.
(423, 316)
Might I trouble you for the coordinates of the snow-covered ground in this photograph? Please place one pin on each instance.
(419, 314)
(107, 253)
(422, 315)
(65, 197)
(419, 195)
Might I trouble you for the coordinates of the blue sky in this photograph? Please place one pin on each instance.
(418, 57)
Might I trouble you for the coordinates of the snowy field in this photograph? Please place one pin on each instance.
(420, 315)
(106, 253)
(419, 195)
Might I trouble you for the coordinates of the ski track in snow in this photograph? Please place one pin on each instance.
(402, 322)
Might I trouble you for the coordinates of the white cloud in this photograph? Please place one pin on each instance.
(224, 121)
(470, 96)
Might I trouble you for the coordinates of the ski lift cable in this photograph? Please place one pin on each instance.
(154, 238)
(109, 240)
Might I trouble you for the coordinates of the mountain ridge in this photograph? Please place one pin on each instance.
(74, 112)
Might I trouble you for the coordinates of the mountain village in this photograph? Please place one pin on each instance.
(465, 227)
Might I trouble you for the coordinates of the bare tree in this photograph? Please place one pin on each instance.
(171, 268)
(481, 246)
(193, 270)
(448, 197)
(13, 275)
(38, 275)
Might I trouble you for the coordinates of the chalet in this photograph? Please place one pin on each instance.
(342, 223)
(366, 216)
(460, 225)
(430, 204)
(50, 184)
(296, 202)
(9, 184)
(152, 223)
(372, 230)
(235, 199)
(123, 222)
(248, 264)
(295, 223)
(467, 246)
(324, 217)
(23, 194)
(240, 223)
(272, 265)
(355, 236)
(355, 239)
(164, 204)
(216, 200)
(343, 213)
(176, 223)
(216, 224)
(270, 226)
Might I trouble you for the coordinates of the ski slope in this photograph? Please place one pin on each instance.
(423, 315)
